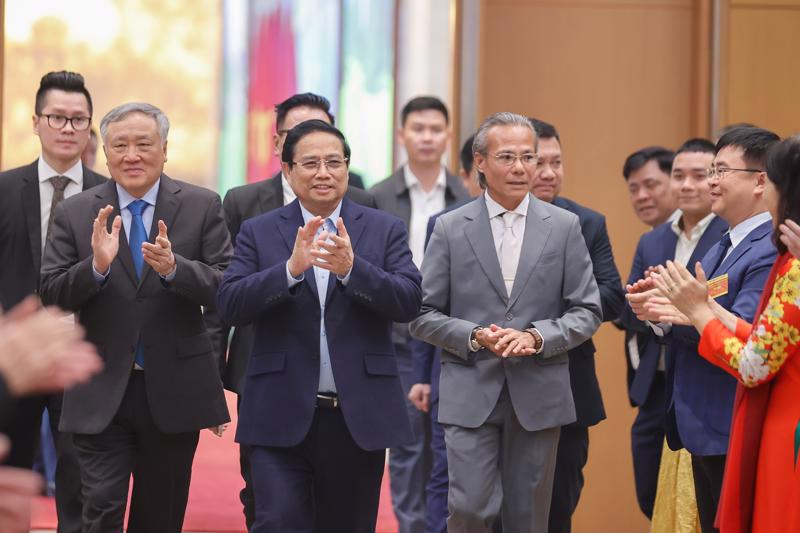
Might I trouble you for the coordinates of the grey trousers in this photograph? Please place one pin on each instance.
(500, 468)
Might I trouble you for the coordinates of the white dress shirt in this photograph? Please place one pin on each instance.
(424, 204)
(687, 243)
(288, 192)
(75, 175)
(742, 229)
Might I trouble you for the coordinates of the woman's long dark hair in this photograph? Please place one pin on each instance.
(783, 170)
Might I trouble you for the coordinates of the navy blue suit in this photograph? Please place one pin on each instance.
(647, 388)
(278, 417)
(701, 397)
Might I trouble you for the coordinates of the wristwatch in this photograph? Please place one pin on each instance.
(538, 340)
(474, 345)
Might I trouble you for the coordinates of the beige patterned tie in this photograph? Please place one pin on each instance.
(59, 186)
(509, 250)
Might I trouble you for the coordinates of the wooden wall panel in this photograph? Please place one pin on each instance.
(613, 76)
(760, 74)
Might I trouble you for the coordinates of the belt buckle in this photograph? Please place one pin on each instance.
(327, 400)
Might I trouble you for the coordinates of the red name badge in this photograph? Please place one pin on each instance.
(718, 286)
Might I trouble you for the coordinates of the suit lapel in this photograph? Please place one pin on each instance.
(713, 233)
(354, 224)
(478, 232)
(757, 234)
(402, 197)
(537, 231)
(291, 219)
(167, 206)
(33, 213)
(104, 196)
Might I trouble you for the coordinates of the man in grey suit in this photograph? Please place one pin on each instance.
(418, 190)
(508, 289)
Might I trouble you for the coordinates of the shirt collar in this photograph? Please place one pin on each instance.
(496, 209)
(126, 198)
(334, 216)
(74, 173)
(412, 181)
(699, 229)
(288, 192)
(742, 229)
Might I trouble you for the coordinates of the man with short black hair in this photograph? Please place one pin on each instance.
(248, 201)
(700, 400)
(646, 173)
(686, 238)
(28, 196)
(321, 280)
(416, 191)
(573, 443)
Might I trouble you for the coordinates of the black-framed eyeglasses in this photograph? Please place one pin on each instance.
(721, 172)
(313, 165)
(57, 122)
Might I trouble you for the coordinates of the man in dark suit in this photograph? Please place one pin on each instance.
(321, 280)
(418, 190)
(245, 202)
(573, 443)
(647, 176)
(28, 195)
(139, 299)
(687, 238)
(700, 395)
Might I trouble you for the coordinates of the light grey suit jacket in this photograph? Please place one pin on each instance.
(554, 291)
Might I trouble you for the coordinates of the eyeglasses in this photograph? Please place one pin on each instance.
(721, 172)
(58, 122)
(507, 159)
(313, 165)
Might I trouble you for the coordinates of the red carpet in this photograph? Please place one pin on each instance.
(214, 495)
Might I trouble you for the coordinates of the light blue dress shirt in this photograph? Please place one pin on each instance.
(326, 382)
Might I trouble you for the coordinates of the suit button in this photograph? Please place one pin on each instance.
(509, 316)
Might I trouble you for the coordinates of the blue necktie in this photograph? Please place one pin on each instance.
(138, 235)
(724, 244)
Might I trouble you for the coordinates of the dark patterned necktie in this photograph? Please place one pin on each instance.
(59, 186)
(724, 244)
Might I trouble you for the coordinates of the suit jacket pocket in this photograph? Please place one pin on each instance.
(197, 345)
(380, 364)
(266, 363)
(561, 359)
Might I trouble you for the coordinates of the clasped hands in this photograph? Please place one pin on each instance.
(105, 245)
(669, 293)
(506, 342)
(310, 250)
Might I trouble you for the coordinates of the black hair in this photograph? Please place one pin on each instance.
(467, 159)
(639, 158)
(63, 80)
(423, 103)
(783, 170)
(312, 100)
(306, 128)
(697, 144)
(544, 130)
(755, 142)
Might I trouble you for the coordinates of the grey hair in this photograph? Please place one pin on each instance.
(505, 118)
(122, 111)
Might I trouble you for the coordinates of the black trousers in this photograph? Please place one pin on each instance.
(708, 471)
(24, 430)
(325, 484)
(160, 463)
(573, 452)
(647, 442)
